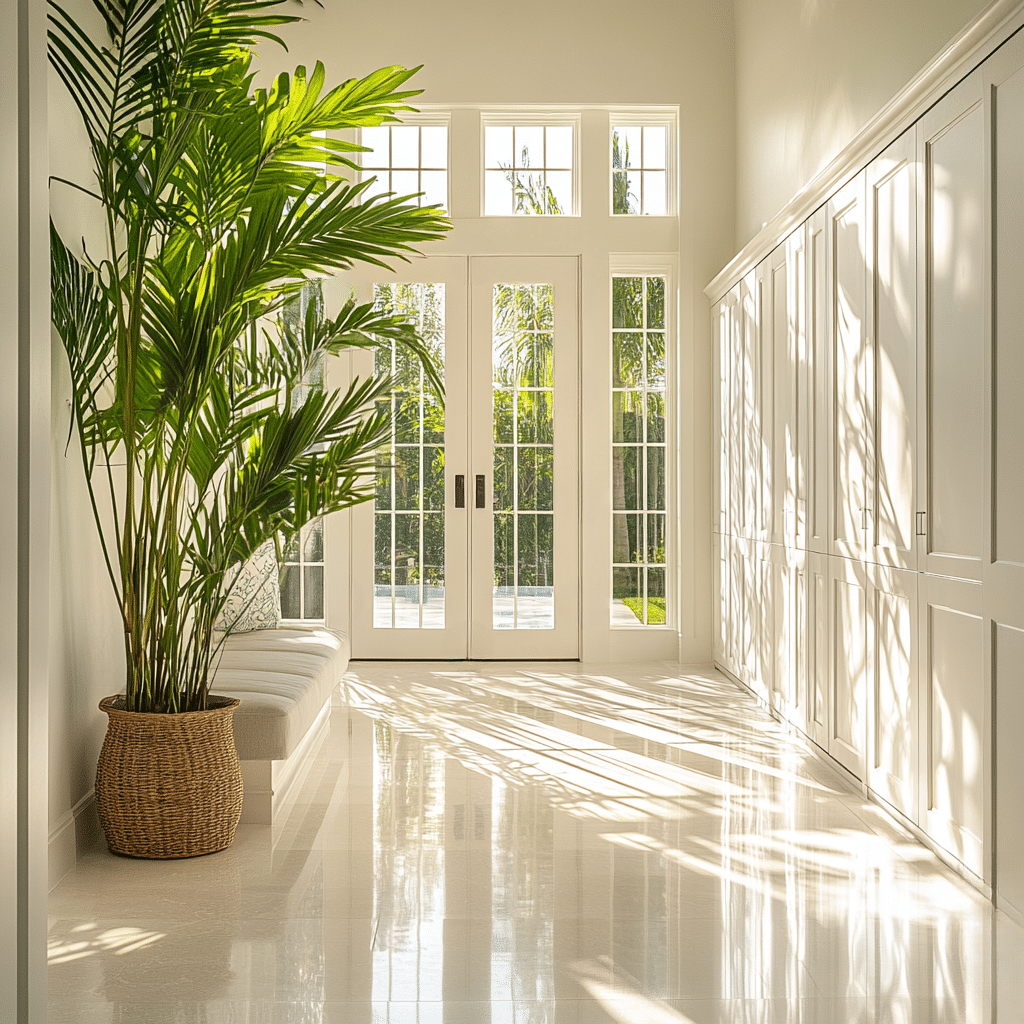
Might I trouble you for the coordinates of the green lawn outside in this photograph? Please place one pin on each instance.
(655, 609)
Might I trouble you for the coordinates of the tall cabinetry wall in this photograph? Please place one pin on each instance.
(870, 475)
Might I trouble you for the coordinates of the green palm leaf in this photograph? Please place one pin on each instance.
(219, 210)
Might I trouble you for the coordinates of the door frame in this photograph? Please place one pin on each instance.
(343, 575)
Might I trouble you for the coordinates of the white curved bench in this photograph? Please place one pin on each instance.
(284, 679)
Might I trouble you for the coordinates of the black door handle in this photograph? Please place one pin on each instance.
(480, 497)
(460, 491)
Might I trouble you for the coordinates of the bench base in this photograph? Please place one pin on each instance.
(271, 787)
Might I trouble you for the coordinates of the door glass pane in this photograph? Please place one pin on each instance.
(409, 584)
(523, 388)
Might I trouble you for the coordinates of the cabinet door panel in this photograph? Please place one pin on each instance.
(1004, 571)
(789, 389)
(818, 387)
(892, 295)
(850, 362)
(765, 579)
(1008, 347)
(894, 704)
(850, 664)
(765, 290)
(952, 154)
(955, 694)
(722, 612)
(750, 335)
(797, 374)
(736, 422)
(818, 661)
(729, 413)
(791, 635)
(1008, 680)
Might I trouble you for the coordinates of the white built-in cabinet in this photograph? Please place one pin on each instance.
(869, 544)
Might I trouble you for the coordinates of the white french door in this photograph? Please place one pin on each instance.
(470, 548)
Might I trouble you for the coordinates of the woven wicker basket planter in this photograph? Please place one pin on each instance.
(169, 785)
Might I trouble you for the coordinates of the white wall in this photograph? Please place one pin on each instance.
(586, 53)
(86, 656)
(810, 74)
(24, 513)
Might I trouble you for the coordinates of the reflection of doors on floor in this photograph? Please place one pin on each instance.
(470, 547)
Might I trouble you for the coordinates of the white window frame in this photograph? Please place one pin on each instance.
(666, 266)
(302, 563)
(523, 117)
(419, 119)
(648, 117)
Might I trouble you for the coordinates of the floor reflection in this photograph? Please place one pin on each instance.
(496, 843)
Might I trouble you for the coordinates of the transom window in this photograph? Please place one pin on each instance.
(407, 159)
(640, 159)
(528, 169)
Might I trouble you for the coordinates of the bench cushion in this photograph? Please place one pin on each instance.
(283, 677)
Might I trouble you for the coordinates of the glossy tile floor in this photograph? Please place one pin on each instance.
(527, 844)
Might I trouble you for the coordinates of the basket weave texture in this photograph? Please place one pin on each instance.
(169, 786)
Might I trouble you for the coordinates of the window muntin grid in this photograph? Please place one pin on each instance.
(409, 555)
(302, 574)
(524, 456)
(302, 556)
(639, 158)
(528, 170)
(639, 452)
(407, 159)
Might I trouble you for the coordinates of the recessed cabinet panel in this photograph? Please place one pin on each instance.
(1008, 344)
(724, 413)
(956, 698)
(746, 633)
(850, 665)
(818, 662)
(797, 364)
(895, 708)
(782, 401)
(766, 397)
(790, 362)
(791, 609)
(818, 386)
(1004, 569)
(737, 371)
(764, 681)
(750, 294)
(723, 617)
(850, 362)
(954, 160)
(892, 294)
(1008, 670)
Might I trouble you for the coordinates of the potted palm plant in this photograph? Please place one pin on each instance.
(220, 202)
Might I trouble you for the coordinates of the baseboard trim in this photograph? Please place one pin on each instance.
(76, 831)
(895, 816)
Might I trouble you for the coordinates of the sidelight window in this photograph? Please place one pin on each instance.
(639, 462)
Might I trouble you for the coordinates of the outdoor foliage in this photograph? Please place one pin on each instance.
(197, 442)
